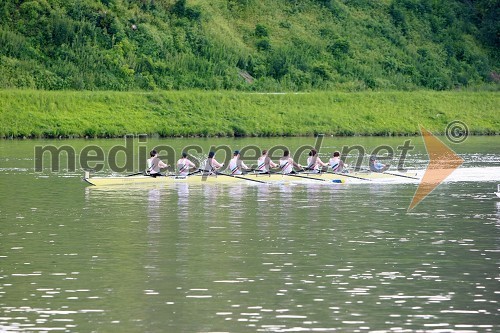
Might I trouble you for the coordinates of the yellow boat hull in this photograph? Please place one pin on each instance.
(223, 179)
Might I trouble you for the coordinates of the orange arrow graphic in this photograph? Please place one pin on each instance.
(443, 161)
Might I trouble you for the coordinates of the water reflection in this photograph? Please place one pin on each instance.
(308, 257)
(498, 211)
(183, 202)
(265, 206)
(153, 210)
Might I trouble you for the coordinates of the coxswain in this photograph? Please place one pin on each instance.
(376, 166)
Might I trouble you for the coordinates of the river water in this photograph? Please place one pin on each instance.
(249, 257)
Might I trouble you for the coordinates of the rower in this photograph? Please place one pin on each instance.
(264, 163)
(337, 164)
(236, 165)
(286, 164)
(211, 165)
(314, 163)
(154, 164)
(184, 164)
(376, 166)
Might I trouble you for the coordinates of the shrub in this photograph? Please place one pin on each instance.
(261, 31)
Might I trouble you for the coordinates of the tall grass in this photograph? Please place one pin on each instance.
(53, 114)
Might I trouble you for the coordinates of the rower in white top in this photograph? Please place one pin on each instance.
(211, 165)
(155, 164)
(236, 165)
(184, 165)
(314, 163)
(287, 164)
(264, 163)
(337, 164)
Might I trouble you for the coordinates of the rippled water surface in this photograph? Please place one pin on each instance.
(248, 257)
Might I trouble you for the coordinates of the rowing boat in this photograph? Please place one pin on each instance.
(249, 178)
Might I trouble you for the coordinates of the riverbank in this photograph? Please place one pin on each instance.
(54, 114)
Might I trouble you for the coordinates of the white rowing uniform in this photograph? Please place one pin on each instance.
(183, 166)
(236, 165)
(211, 165)
(264, 163)
(336, 164)
(286, 165)
(154, 165)
(313, 165)
(261, 164)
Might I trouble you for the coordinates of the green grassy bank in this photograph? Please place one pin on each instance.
(35, 114)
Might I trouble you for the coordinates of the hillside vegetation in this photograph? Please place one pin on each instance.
(249, 45)
(51, 114)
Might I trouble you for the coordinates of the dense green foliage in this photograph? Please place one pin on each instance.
(252, 45)
(35, 113)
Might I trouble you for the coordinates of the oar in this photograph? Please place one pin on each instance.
(347, 175)
(299, 176)
(306, 177)
(252, 180)
(395, 174)
(241, 177)
(135, 174)
(195, 172)
(392, 174)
